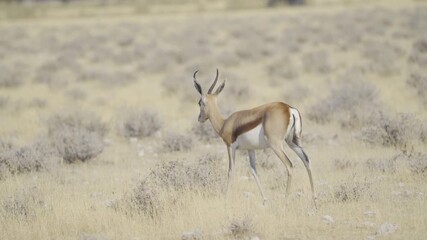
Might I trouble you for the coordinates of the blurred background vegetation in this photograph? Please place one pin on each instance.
(12, 9)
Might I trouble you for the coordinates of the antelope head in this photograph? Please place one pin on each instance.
(208, 100)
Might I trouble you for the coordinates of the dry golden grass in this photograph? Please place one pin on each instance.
(104, 66)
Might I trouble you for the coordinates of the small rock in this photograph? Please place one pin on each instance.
(311, 212)
(370, 238)
(407, 193)
(369, 224)
(328, 219)
(194, 234)
(365, 225)
(243, 178)
(255, 238)
(108, 141)
(300, 193)
(396, 193)
(387, 228)
(96, 194)
(111, 203)
(370, 213)
(248, 194)
(323, 183)
(133, 140)
(141, 153)
(92, 237)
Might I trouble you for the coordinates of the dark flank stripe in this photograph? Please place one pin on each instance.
(245, 128)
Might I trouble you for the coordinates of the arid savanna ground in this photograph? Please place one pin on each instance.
(99, 136)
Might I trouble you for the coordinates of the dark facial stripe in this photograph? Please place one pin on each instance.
(245, 128)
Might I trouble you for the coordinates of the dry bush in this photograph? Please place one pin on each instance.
(138, 123)
(317, 62)
(77, 144)
(353, 190)
(397, 131)
(159, 60)
(108, 77)
(343, 164)
(76, 136)
(418, 54)
(177, 142)
(204, 132)
(242, 228)
(417, 162)
(76, 94)
(419, 82)
(5, 145)
(385, 165)
(345, 103)
(5, 156)
(237, 91)
(145, 199)
(227, 58)
(382, 57)
(294, 39)
(22, 205)
(10, 77)
(281, 70)
(266, 159)
(84, 120)
(175, 83)
(49, 73)
(171, 175)
(210, 159)
(204, 175)
(37, 103)
(168, 180)
(296, 93)
(252, 48)
(3, 101)
(33, 157)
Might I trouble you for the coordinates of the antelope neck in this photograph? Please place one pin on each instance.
(216, 118)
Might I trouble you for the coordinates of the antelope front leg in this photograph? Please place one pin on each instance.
(231, 160)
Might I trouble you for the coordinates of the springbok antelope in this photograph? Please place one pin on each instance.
(262, 127)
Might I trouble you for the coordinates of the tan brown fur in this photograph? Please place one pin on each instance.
(244, 121)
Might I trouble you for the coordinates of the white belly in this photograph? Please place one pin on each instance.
(253, 139)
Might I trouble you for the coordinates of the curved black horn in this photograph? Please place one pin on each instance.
(196, 84)
(213, 84)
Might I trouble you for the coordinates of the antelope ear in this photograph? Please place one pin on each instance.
(220, 88)
(196, 84)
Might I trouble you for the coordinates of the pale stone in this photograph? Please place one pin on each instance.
(328, 219)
